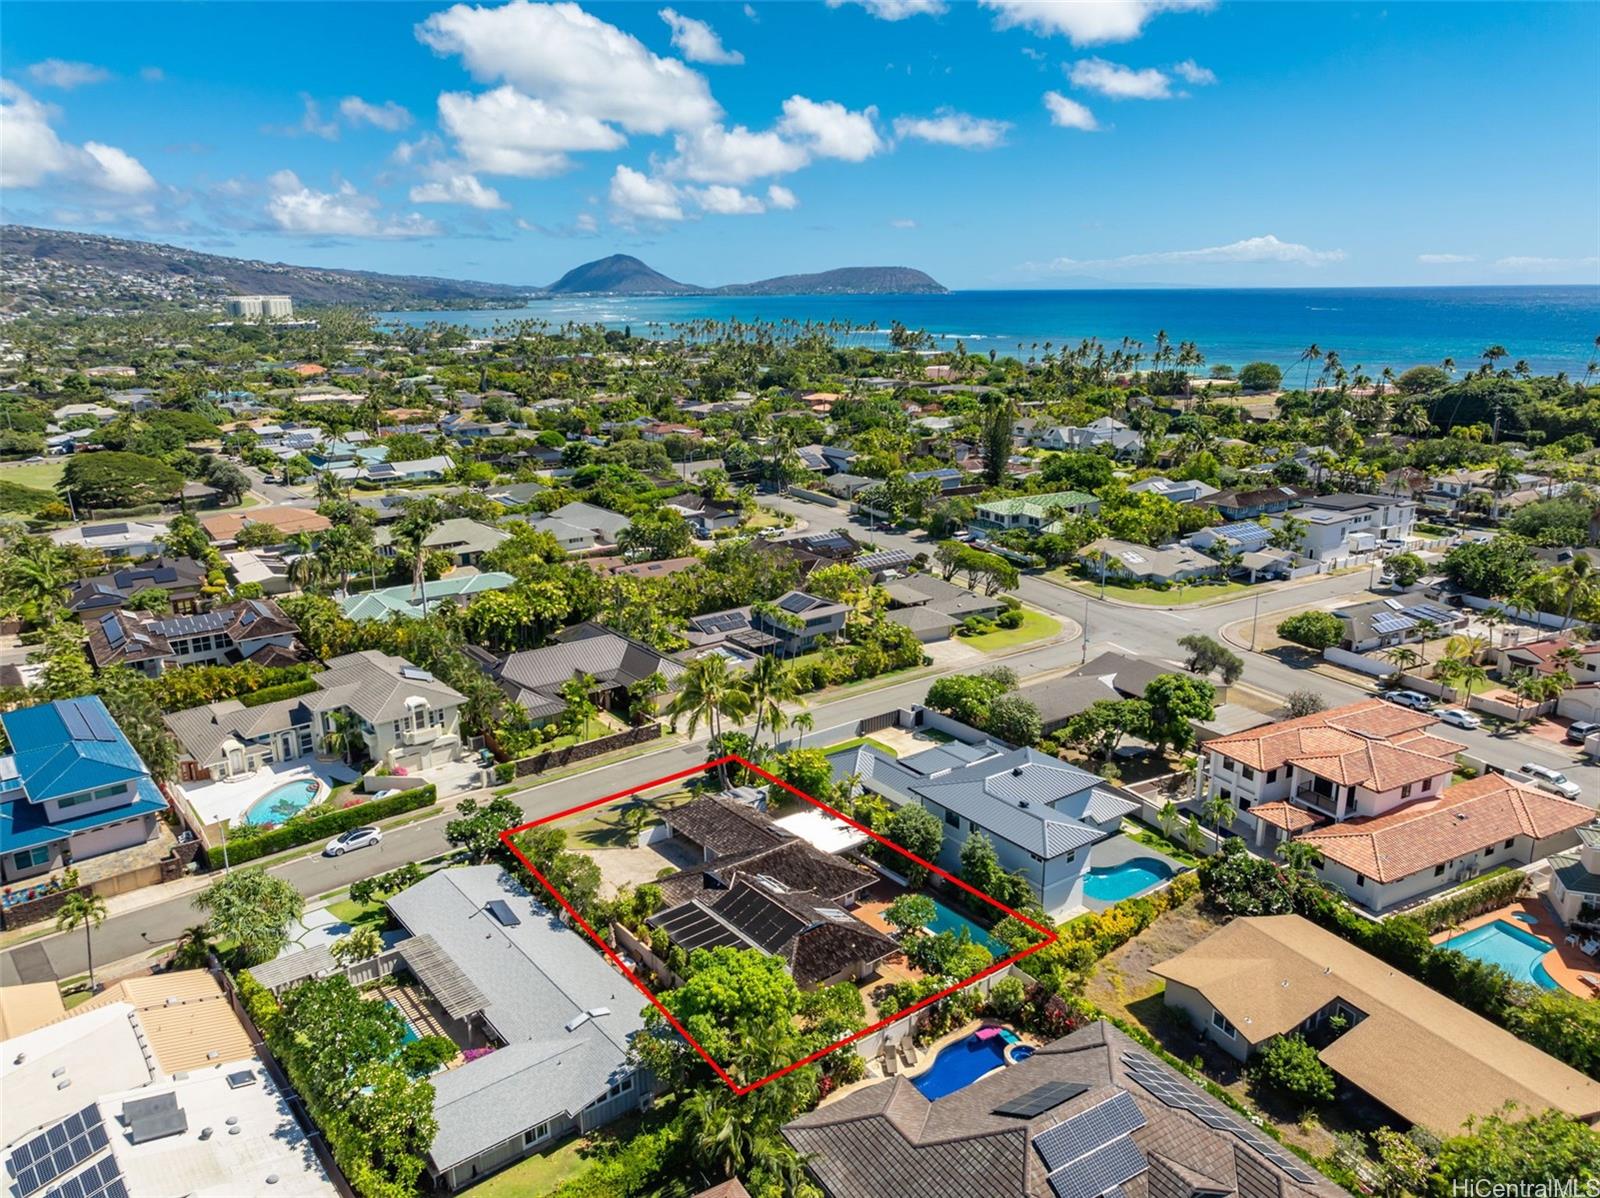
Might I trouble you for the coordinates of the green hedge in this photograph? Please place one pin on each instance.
(325, 827)
(1474, 898)
(284, 690)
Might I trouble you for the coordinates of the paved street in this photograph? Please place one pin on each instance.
(1148, 632)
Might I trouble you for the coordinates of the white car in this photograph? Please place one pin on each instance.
(1458, 717)
(355, 838)
(1553, 780)
(1413, 699)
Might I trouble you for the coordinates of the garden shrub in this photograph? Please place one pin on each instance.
(323, 827)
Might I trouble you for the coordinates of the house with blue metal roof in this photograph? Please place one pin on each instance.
(71, 788)
(1043, 816)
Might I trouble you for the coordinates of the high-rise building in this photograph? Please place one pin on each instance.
(260, 305)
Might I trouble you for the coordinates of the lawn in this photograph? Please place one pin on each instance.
(1035, 626)
(538, 1174)
(762, 518)
(1150, 838)
(1201, 592)
(43, 475)
(357, 914)
(855, 743)
(607, 829)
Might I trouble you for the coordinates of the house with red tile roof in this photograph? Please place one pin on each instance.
(1553, 654)
(1369, 784)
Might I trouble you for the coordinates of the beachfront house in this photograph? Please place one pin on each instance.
(407, 719)
(71, 788)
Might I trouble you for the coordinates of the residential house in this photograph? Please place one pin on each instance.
(1382, 623)
(882, 564)
(813, 550)
(1337, 526)
(224, 529)
(560, 1015)
(253, 630)
(761, 888)
(826, 459)
(1127, 561)
(411, 603)
(947, 478)
(608, 567)
(464, 541)
(1042, 815)
(847, 486)
(71, 789)
(1092, 1113)
(1406, 1046)
(705, 516)
(1180, 491)
(1574, 891)
(406, 716)
(1241, 536)
(122, 538)
(264, 567)
(1105, 433)
(1253, 504)
(791, 624)
(616, 663)
(430, 469)
(1059, 699)
(1032, 511)
(182, 578)
(133, 1091)
(1549, 655)
(581, 527)
(933, 608)
(1369, 785)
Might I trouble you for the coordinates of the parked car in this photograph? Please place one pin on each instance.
(1555, 781)
(1581, 730)
(355, 838)
(1415, 700)
(1458, 717)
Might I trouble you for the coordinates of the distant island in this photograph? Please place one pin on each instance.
(622, 274)
(52, 271)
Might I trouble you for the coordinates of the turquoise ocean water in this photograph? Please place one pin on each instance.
(1553, 328)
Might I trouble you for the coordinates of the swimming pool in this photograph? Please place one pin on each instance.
(1123, 881)
(410, 1035)
(1520, 953)
(946, 920)
(281, 802)
(960, 1064)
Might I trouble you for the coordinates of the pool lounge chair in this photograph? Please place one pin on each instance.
(1589, 980)
(890, 1065)
(1572, 938)
(908, 1053)
(1591, 947)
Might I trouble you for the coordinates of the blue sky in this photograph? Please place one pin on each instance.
(998, 144)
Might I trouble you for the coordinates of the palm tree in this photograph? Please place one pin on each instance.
(1402, 657)
(1426, 630)
(722, 1140)
(330, 486)
(709, 692)
(344, 736)
(1468, 679)
(580, 708)
(410, 536)
(1300, 856)
(770, 682)
(1168, 818)
(1218, 812)
(193, 950)
(1310, 354)
(1579, 583)
(34, 580)
(802, 723)
(87, 910)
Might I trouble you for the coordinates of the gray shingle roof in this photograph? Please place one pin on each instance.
(535, 677)
(536, 976)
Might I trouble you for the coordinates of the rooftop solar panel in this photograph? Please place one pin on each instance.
(1100, 1171)
(72, 716)
(1089, 1131)
(691, 926)
(761, 920)
(1040, 1099)
(502, 911)
(98, 722)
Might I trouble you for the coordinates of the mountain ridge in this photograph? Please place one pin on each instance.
(623, 274)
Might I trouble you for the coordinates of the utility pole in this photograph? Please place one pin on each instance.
(1085, 656)
(1254, 619)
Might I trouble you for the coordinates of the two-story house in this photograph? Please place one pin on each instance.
(71, 788)
(1369, 785)
(1339, 525)
(407, 718)
(254, 630)
(1035, 512)
(182, 578)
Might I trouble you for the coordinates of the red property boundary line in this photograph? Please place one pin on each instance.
(1050, 934)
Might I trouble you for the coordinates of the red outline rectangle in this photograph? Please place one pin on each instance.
(1050, 934)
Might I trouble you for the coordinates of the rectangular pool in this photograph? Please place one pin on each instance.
(946, 920)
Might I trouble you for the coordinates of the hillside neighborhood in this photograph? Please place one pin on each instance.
(738, 762)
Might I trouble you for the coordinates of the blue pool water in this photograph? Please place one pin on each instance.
(410, 1035)
(946, 920)
(960, 1064)
(1518, 952)
(279, 803)
(1118, 882)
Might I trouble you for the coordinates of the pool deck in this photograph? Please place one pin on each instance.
(1117, 850)
(1564, 962)
(227, 801)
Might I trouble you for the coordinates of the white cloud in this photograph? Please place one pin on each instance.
(561, 54)
(781, 197)
(460, 188)
(1087, 22)
(1444, 259)
(727, 201)
(586, 223)
(505, 132)
(1520, 262)
(903, 222)
(311, 122)
(152, 74)
(830, 130)
(718, 155)
(1192, 72)
(636, 195)
(388, 116)
(31, 154)
(1118, 82)
(895, 10)
(1069, 114)
(58, 72)
(296, 208)
(698, 41)
(950, 128)
(1266, 249)
(750, 11)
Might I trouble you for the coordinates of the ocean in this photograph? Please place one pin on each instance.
(1553, 328)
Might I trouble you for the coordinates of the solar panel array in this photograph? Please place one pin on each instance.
(796, 602)
(1088, 1132)
(101, 1180)
(57, 1150)
(1164, 1085)
(1385, 624)
(111, 626)
(725, 621)
(1100, 1171)
(211, 621)
(1040, 1099)
(691, 926)
(86, 721)
(1430, 611)
(759, 918)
